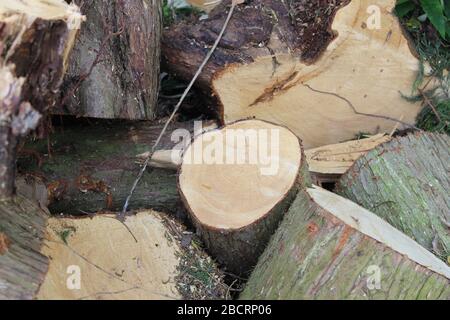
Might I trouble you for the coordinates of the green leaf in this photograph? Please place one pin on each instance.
(447, 8)
(435, 12)
(413, 24)
(448, 30)
(404, 7)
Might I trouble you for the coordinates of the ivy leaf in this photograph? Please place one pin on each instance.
(435, 12)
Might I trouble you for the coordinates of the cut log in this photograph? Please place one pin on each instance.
(36, 38)
(328, 163)
(22, 266)
(278, 62)
(236, 183)
(114, 69)
(328, 247)
(92, 167)
(406, 182)
(99, 258)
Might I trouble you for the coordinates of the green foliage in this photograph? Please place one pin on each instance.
(172, 14)
(436, 11)
(167, 13)
(429, 122)
(428, 22)
(64, 234)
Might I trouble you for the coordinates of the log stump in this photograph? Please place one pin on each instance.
(278, 62)
(235, 197)
(101, 258)
(328, 247)
(406, 182)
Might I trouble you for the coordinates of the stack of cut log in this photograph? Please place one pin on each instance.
(246, 195)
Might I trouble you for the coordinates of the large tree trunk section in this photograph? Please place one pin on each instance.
(235, 197)
(328, 163)
(22, 266)
(36, 38)
(114, 69)
(112, 265)
(278, 62)
(327, 247)
(406, 182)
(92, 167)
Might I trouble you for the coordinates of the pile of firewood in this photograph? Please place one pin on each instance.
(276, 189)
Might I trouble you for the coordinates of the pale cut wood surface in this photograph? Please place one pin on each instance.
(367, 67)
(234, 195)
(237, 206)
(375, 227)
(337, 158)
(112, 264)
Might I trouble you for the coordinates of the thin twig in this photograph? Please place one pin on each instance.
(175, 110)
(360, 113)
(431, 105)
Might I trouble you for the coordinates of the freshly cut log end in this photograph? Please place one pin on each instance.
(406, 182)
(236, 183)
(328, 163)
(22, 266)
(110, 263)
(328, 247)
(347, 77)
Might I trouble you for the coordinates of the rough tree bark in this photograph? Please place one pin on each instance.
(92, 167)
(35, 42)
(406, 182)
(234, 205)
(114, 69)
(278, 61)
(22, 266)
(36, 38)
(327, 247)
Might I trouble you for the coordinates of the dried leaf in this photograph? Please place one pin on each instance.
(4, 243)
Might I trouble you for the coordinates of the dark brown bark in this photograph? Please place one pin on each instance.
(41, 58)
(114, 69)
(33, 73)
(247, 37)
